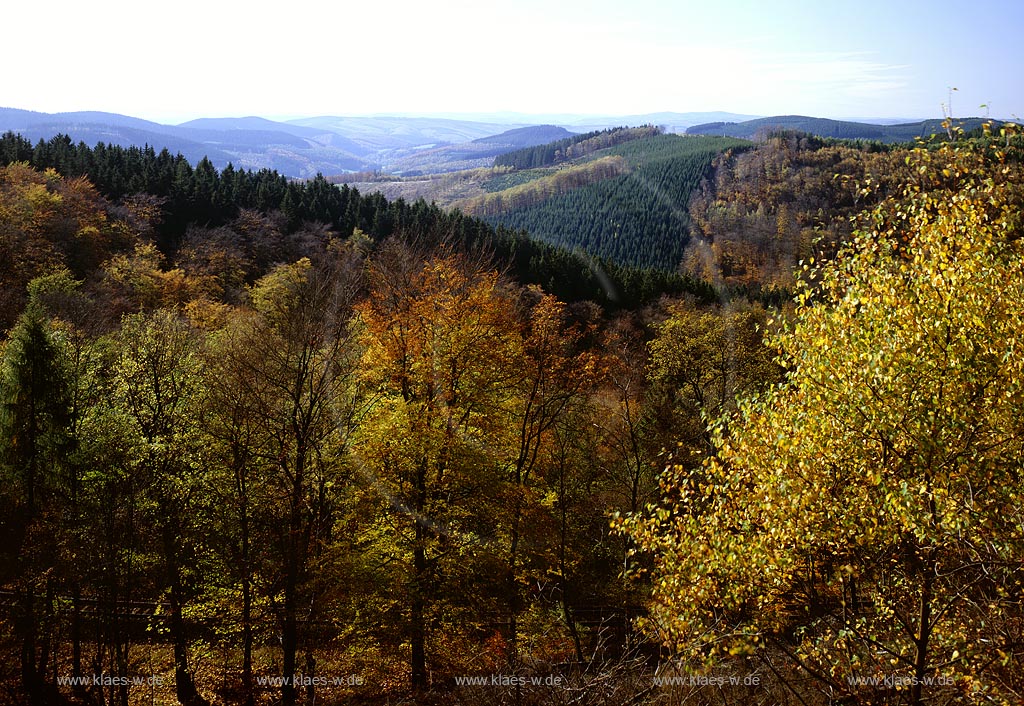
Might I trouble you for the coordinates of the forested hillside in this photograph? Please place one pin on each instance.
(836, 129)
(254, 428)
(276, 442)
(763, 210)
(620, 194)
(637, 219)
(570, 148)
(179, 204)
(537, 187)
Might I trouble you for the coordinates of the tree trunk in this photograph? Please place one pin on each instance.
(78, 689)
(289, 641)
(293, 562)
(119, 692)
(47, 637)
(418, 636)
(309, 674)
(247, 681)
(27, 628)
(185, 687)
(512, 587)
(923, 636)
(563, 565)
(418, 607)
(240, 466)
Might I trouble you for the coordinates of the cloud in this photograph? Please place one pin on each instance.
(832, 80)
(846, 70)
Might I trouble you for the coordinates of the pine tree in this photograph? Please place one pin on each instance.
(36, 440)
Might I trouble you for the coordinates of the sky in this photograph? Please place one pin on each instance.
(173, 61)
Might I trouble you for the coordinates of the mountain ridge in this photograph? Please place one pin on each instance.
(838, 129)
(400, 144)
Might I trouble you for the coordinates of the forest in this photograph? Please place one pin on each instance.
(571, 147)
(177, 201)
(900, 133)
(620, 195)
(275, 442)
(638, 219)
(540, 188)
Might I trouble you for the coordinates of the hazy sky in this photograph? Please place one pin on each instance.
(172, 61)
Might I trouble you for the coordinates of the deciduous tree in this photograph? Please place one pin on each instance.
(439, 336)
(863, 519)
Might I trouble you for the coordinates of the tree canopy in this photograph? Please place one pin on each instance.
(862, 519)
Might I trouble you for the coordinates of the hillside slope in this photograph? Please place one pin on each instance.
(638, 219)
(789, 199)
(627, 202)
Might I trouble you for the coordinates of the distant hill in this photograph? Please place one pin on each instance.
(301, 148)
(17, 116)
(672, 122)
(526, 136)
(478, 153)
(253, 143)
(872, 121)
(412, 146)
(93, 133)
(389, 133)
(250, 123)
(823, 127)
(577, 122)
(95, 117)
(256, 124)
(406, 145)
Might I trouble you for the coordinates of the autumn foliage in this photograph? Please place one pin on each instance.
(862, 519)
(317, 435)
